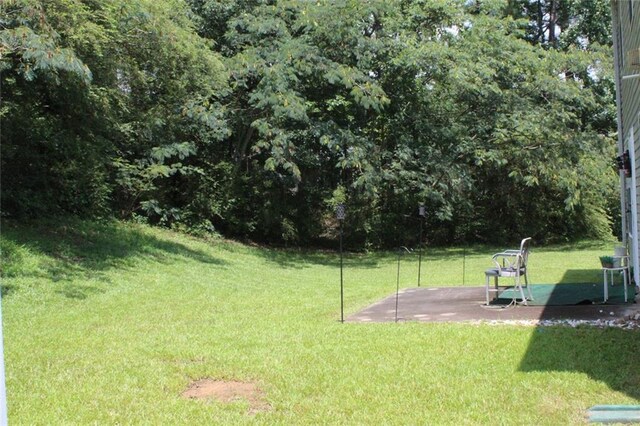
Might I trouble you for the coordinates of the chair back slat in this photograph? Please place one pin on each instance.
(524, 252)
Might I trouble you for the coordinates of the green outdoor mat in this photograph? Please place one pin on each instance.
(569, 294)
(614, 414)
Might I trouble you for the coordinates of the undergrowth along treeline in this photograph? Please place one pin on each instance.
(254, 118)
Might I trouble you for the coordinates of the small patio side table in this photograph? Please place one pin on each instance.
(608, 273)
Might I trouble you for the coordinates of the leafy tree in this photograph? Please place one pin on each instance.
(254, 118)
(47, 166)
(124, 137)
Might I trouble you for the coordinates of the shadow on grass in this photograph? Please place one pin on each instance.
(302, 258)
(606, 355)
(609, 355)
(353, 257)
(579, 245)
(6, 289)
(79, 292)
(80, 248)
(299, 258)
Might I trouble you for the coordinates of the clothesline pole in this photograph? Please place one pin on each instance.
(464, 262)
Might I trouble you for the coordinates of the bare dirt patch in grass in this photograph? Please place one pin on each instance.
(228, 391)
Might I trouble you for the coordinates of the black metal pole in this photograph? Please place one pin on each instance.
(398, 283)
(420, 252)
(464, 262)
(341, 281)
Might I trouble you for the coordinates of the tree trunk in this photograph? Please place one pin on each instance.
(553, 21)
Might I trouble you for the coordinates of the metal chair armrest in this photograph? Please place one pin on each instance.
(508, 259)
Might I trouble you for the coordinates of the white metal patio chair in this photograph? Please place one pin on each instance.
(510, 264)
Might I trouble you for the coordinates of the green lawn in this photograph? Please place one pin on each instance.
(109, 323)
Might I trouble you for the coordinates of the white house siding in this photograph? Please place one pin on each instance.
(626, 35)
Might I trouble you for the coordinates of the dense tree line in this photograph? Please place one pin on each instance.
(254, 118)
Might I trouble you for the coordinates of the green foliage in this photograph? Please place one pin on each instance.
(118, 142)
(563, 23)
(29, 45)
(255, 118)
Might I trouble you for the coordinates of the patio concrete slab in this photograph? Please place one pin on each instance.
(458, 304)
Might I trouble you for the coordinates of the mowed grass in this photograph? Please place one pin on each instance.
(109, 322)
